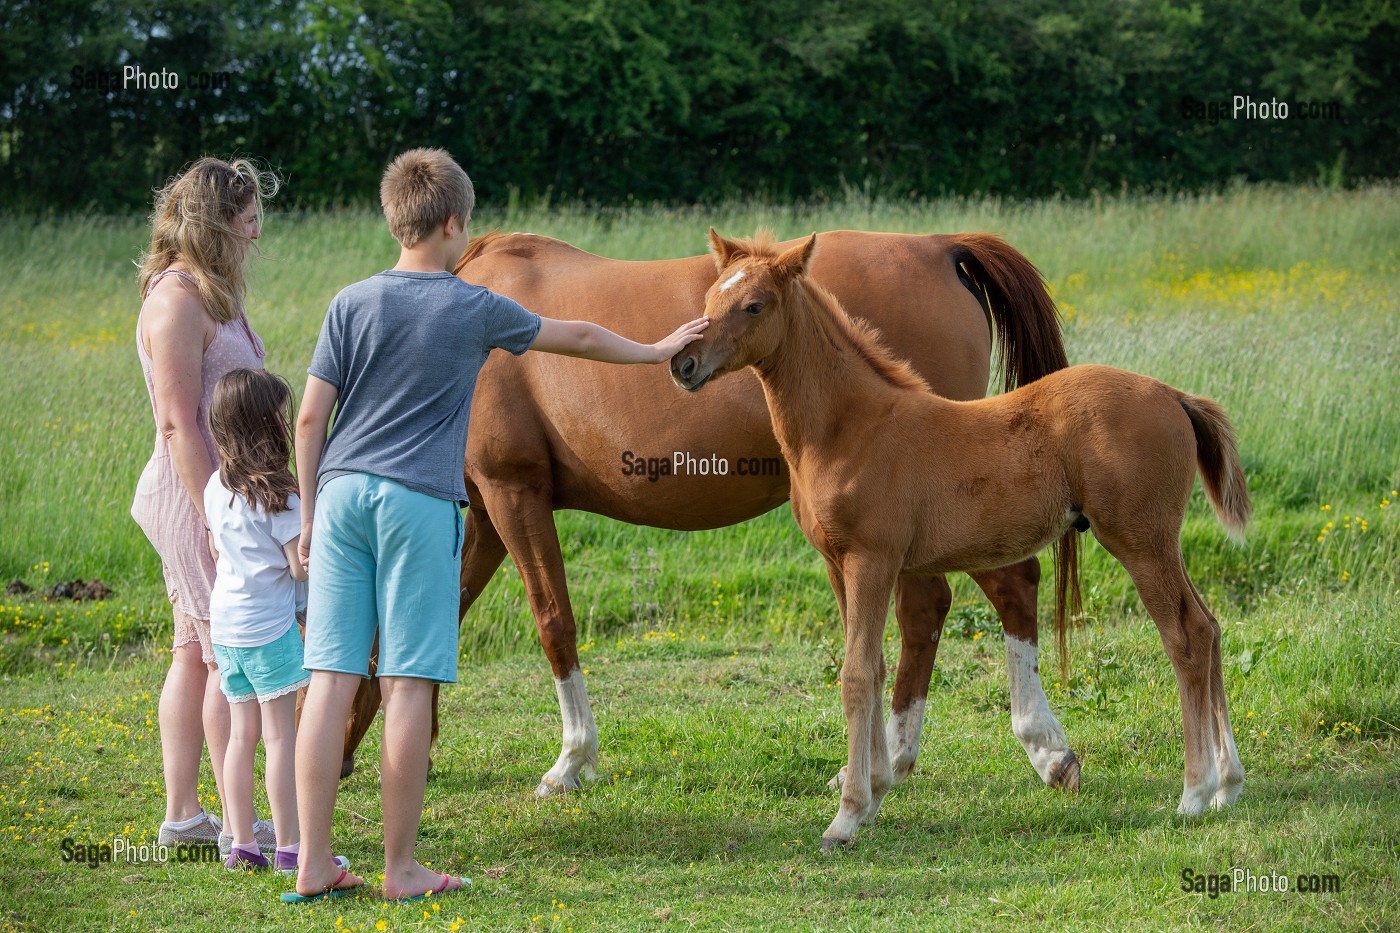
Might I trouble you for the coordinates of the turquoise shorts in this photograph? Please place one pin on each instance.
(262, 673)
(385, 560)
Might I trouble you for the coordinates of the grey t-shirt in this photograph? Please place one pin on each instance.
(404, 349)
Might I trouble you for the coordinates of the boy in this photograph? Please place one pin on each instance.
(399, 354)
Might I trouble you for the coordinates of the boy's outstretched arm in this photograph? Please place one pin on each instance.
(317, 403)
(581, 338)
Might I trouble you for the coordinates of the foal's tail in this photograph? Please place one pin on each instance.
(1021, 311)
(1218, 458)
(1222, 475)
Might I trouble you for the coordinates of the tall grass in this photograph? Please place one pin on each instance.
(1280, 303)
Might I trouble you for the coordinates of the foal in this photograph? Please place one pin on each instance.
(888, 477)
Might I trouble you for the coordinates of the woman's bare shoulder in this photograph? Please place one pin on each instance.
(173, 313)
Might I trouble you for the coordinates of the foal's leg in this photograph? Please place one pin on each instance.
(867, 585)
(1227, 758)
(921, 606)
(1191, 637)
(524, 517)
(1012, 592)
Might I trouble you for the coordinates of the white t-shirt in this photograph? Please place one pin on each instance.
(254, 599)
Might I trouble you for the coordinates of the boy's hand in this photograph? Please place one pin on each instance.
(592, 342)
(683, 336)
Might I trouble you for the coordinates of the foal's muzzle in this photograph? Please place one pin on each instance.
(686, 372)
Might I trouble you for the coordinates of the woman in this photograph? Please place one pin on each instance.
(191, 331)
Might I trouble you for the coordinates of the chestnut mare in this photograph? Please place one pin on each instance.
(889, 478)
(550, 432)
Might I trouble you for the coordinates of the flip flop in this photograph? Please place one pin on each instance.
(331, 891)
(441, 889)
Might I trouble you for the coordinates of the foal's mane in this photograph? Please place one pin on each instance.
(838, 325)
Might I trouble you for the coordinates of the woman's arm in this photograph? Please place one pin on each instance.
(587, 340)
(317, 403)
(177, 329)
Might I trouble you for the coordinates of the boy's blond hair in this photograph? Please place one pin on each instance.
(420, 190)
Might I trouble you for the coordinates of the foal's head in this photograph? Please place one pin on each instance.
(747, 307)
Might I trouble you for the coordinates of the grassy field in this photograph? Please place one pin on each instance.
(1280, 303)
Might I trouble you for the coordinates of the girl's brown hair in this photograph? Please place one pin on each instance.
(251, 417)
(193, 222)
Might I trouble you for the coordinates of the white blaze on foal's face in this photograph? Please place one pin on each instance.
(732, 281)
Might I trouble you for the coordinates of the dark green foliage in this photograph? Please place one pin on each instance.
(679, 101)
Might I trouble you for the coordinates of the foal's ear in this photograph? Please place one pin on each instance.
(794, 262)
(724, 250)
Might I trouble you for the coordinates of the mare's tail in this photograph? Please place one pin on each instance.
(1068, 603)
(1218, 458)
(1027, 328)
(1022, 313)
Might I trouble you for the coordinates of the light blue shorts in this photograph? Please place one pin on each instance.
(262, 673)
(387, 560)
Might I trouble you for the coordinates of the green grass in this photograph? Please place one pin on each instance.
(711, 798)
(1284, 304)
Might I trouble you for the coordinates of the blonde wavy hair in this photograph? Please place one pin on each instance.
(193, 222)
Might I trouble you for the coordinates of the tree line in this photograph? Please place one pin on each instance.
(678, 101)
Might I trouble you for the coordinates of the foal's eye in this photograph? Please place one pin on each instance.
(754, 308)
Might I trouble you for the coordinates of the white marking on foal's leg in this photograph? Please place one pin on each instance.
(1227, 762)
(580, 748)
(731, 281)
(881, 776)
(902, 734)
(1195, 799)
(1034, 725)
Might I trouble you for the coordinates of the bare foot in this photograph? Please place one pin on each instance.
(418, 881)
(322, 878)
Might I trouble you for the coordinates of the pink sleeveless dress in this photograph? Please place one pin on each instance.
(162, 506)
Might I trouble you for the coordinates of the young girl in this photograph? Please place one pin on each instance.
(254, 524)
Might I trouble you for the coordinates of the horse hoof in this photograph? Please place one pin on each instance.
(549, 787)
(1194, 802)
(1226, 795)
(836, 782)
(347, 767)
(831, 844)
(1065, 775)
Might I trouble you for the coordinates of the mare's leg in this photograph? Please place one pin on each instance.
(1191, 636)
(1012, 592)
(362, 710)
(524, 517)
(868, 777)
(482, 553)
